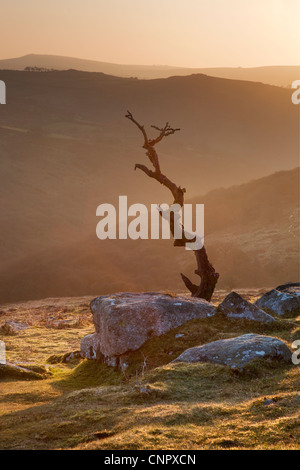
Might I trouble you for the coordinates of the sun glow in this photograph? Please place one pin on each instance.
(190, 33)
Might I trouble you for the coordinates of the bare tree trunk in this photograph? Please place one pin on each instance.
(205, 270)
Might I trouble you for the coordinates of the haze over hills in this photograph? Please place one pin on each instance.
(66, 147)
(273, 75)
(251, 230)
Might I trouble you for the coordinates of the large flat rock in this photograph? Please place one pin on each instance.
(283, 300)
(124, 322)
(239, 351)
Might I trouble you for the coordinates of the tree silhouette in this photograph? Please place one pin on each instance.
(205, 270)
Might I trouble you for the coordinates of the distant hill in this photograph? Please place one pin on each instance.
(252, 230)
(273, 75)
(66, 147)
(231, 130)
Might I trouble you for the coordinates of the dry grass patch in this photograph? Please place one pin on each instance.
(152, 404)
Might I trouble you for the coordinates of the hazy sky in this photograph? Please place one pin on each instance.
(192, 33)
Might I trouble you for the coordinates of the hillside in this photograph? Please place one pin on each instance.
(272, 75)
(251, 231)
(231, 131)
(65, 148)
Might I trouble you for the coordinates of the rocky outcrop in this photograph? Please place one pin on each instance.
(239, 351)
(234, 306)
(283, 300)
(124, 322)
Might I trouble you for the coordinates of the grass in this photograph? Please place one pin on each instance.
(152, 404)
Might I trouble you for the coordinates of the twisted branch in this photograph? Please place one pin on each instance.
(204, 269)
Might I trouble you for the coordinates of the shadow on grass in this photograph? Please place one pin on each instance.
(98, 401)
(87, 374)
(206, 382)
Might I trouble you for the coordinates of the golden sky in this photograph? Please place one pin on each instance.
(191, 33)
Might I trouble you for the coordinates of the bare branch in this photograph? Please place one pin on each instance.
(164, 132)
(191, 287)
(204, 269)
(151, 153)
(150, 143)
(142, 129)
(145, 170)
(177, 191)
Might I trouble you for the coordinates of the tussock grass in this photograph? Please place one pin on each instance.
(87, 374)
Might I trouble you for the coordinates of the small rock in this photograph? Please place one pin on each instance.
(268, 402)
(145, 390)
(283, 300)
(64, 358)
(12, 327)
(239, 351)
(10, 370)
(62, 324)
(234, 306)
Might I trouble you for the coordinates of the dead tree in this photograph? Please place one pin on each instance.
(205, 270)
